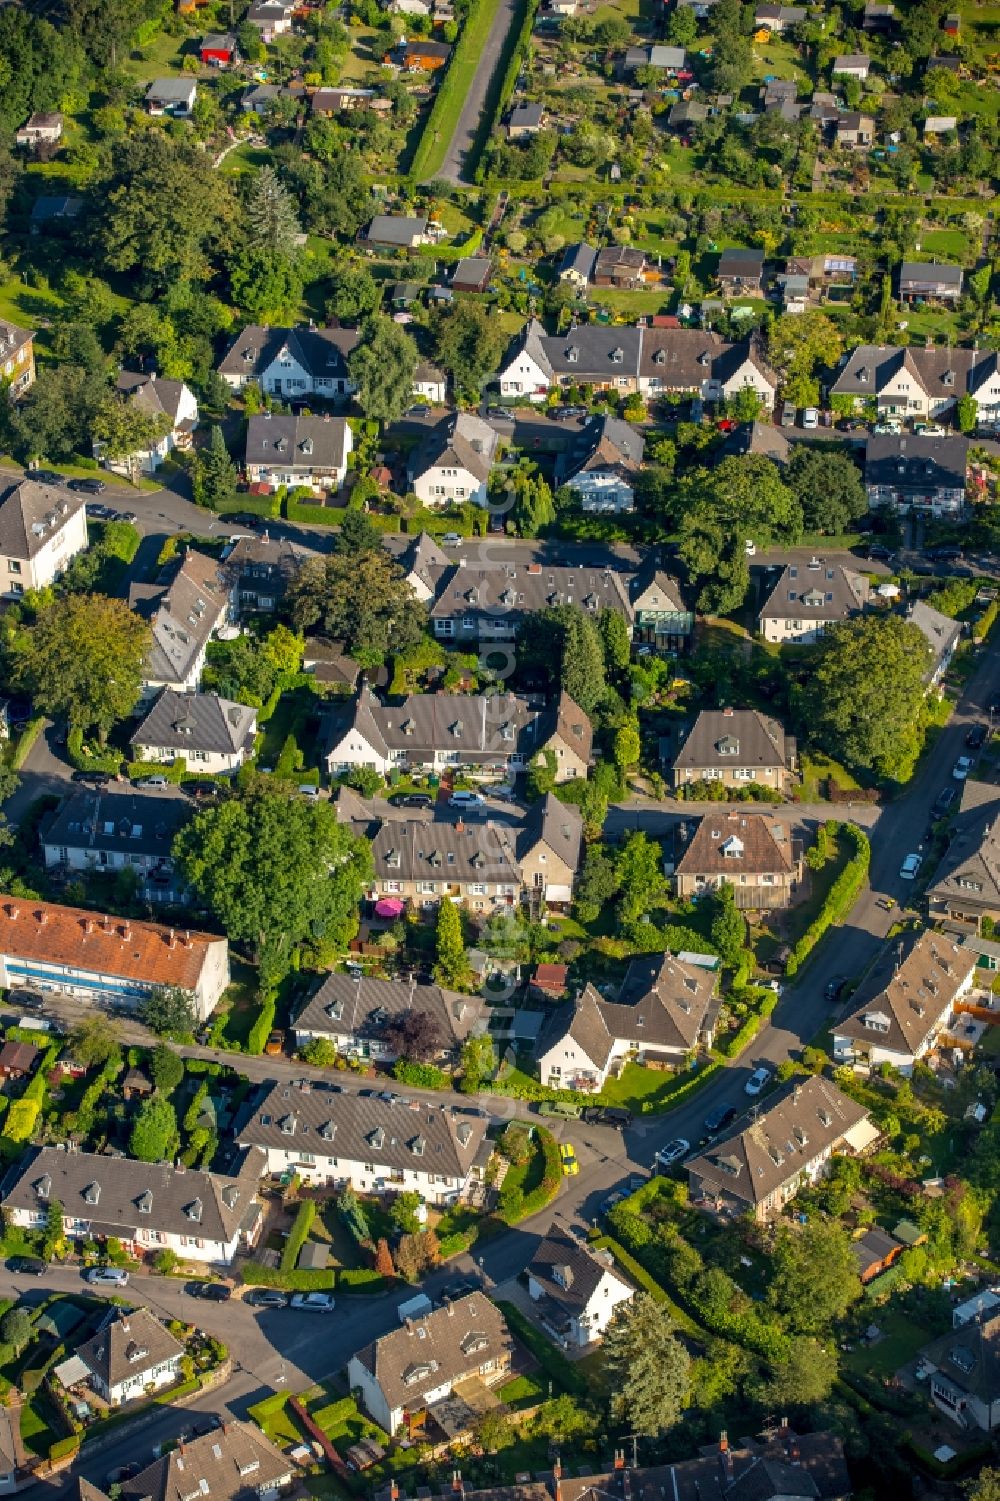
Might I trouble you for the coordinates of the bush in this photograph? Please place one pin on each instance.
(360, 1279)
(421, 1075)
(839, 899)
(255, 1275)
(264, 1025)
(734, 1044)
(62, 1448)
(297, 1235)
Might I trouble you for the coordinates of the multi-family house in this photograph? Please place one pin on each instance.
(549, 847)
(803, 599)
(905, 1002)
(471, 861)
(208, 733)
(914, 472)
(149, 1206)
(788, 1144)
(93, 957)
(929, 281)
(170, 400)
(424, 565)
(184, 610)
(42, 529)
(285, 449)
(453, 462)
(235, 1462)
(601, 465)
(966, 885)
(490, 604)
(377, 1146)
(131, 1355)
(663, 1011)
(359, 1014)
(257, 572)
(118, 828)
(910, 382)
(751, 852)
(291, 362)
(734, 747)
(575, 1290)
(407, 1376)
(593, 355)
(741, 272)
(942, 635)
(17, 358)
(171, 96)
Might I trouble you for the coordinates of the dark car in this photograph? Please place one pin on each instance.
(96, 510)
(722, 1115)
(212, 1292)
(880, 551)
(411, 800)
(28, 1266)
(976, 738)
(123, 1473)
(606, 1115)
(266, 1297)
(499, 414)
(456, 1290)
(201, 789)
(47, 477)
(922, 570)
(835, 988)
(566, 414)
(944, 554)
(207, 1425)
(88, 486)
(26, 1000)
(95, 778)
(128, 516)
(944, 799)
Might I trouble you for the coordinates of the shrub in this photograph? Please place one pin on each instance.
(62, 1448)
(297, 1235)
(422, 1075)
(264, 1025)
(839, 899)
(360, 1279)
(255, 1275)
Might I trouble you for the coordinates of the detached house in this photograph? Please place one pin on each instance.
(171, 96)
(453, 463)
(576, 268)
(17, 358)
(807, 598)
(219, 49)
(42, 529)
(905, 1003)
(291, 362)
(412, 1376)
(852, 65)
(394, 232)
(927, 281)
(622, 266)
(271, 17)
(132, 1354)
(741, 273)
(575, 1290)
(602, 465)
(283, 449)
(40, 129)
(207, 732)
(752, 852)
(966, 886)
(257, 572)
(234, 1462)
(962, 1369)
(149, 1206)
(942, 635)
(765, 1162)
(377, 1146)
(171, 400)
(355, 1013)
(734, 747)
(184, 610)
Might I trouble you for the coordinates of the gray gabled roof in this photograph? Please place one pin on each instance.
(550, 822)
(121, 819)
(437, 1350)
(589, 353)
(290, 441)
(131, 1345)
(521, 589)
(457, 854)
(482, 727)
(394, 229)
(938, 372)
(579, 258)
(344, 1006)
(459, 441)
(186, 722)
(567, 1272)
(912, 985)
(760, 741)
(970, 867)
(940, 631)
(425, 560)
(232, 1463)
(31, 514)
(321, 351)
(183, 611)
(152, 394)
(905, 461)
(605, 443)
(818, 591)
(171, 90)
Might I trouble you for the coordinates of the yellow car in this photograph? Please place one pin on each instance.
(570, 1166)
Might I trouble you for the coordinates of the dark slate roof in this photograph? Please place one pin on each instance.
(297, 441)
(353, 1128)
(232, 1463)
(815, 591)
(934, 272)
(591, 352)
(187, 722)
(568, 1273)
(345, 1006)
(579, 258)
(521, 589)
(970, 867)
(757, 437)
(911, 986)
(939, 372)
(134, 1342)
(31, 514)
(481, 726)
(462, 441)
(321, 351)
(394, 229)
(969, 1357)
(184, 1202)
(555, 824)
(457, 853)
(456, 1341)
(426, 560)
(183, 609)
(907, 461)
(760, 740)
(152, 393)
(941, 632)
(140, 821)
(527, 115)
(740, 263)
(605, 443)
(263, 564)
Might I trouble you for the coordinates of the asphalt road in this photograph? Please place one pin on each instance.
(457, 166)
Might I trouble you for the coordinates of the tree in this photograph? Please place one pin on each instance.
(270, 217)
(167, 1068)
(639, 870)
(468, 343)
(94, 1040)
(266, 284)
(683, 26)
(404, 1212)
(415, 1035)
(320, 1052)
(83, 658)
(479, 1062)
(804, 1378)
(168, 1011)
(967, 413)
(985, 1486)
(364, 601)
(354, 293)
(494, 1430)
(277, 871)
(646, 1366)
(627, 746)
(813, 1275)
(729, 929)
(564, 644)
(358, 533)
(384, 1264)
(127, 433)
(615, 643)
(217, 475)
(523, 495)
(452, 966)
(54, 1240)
(55, 418)
(597, 885)
(827, 484)
(16, 1328)
(864, 698)
(798, 346)
(382, 365)
(154, 1135)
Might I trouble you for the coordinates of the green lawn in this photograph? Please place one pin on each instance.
(904, 1336)
(817, 769)
(523, 1391)
(38, 1430)
(289, 718)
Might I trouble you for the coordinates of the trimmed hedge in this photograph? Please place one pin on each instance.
(638, 1274)
(839, 899)
(29, 735)
(563, 1374)
(63, 1447)
(734, 1044)
(446, 111)
(255, 1275)
(297, 1235)
(361, 1279)
(263, 1026)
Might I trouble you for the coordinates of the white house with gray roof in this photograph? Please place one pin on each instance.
(602, 464)
(453, 462)
(118, 827)
(591, 355)
(171, 96)
(234, 1462)
(804, 598)
(209, 733)
(357, 1014)
(284, 449)
(471, 861)
(905, 1001)
(328, 1137)
(42, 529)
(575, 1290)
(173, 402)
(184, 609)
(130, 1355)
(291, 362)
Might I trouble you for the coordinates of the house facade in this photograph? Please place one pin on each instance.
(751, 852)
(131, 1356)
(960, 1368)
(357, 1015)
(602, 465)
(592, 355)
(284, 449)
(966, 886)
(929, 281)
(185, 607)
(118, 828)
(453, 462)
(904, 382)
(207, 732)
(291, 362)
(735, 747)
(575, 1290)
(549, 849)
(912, 472)
(174, 402)
(905, 1002)
(42, 529)
(806, 598)
(95, 957)
(17, 358)
(423, 864)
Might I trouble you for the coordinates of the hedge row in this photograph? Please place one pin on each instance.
(297, 1235)
(515, 55)
(839, 899)
(255, 1275)
(734, 1044)
(446, 111)
(563, 1374)
(264, 1025)
(638, 1274)
(61, 1448)
(29, 735)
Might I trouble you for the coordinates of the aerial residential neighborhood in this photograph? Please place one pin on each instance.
(499, 750)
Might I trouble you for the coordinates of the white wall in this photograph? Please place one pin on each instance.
(371, 1177)
(358, 1376)
(440, 486)
(17, 575)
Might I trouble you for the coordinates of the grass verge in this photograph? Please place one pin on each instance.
(453, 90)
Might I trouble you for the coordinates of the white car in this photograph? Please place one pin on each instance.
(451, 539)
(750, 548)
(314, 1302)
(757, 1080)
(309, 791)
(153, 782)
(673, 1151)
(466, 800)
(810, 417)
(908, 869)
(108, 1276)
(961, 768)
(889, 427)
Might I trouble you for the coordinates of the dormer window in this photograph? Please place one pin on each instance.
(144, 1203)
(307, 445)
(617, 356)
(573, 355)
(288, 1125)
(92, 1193)
(732, 849)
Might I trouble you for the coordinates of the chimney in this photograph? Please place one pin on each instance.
(619, 1459)
(12, 911)
(456, 1478)
(557, 1479)
(393, 1490)
(186, 940)
(43, 917)
(725, 1459)
(409, 1326)
(170, 940)
(451, 1309)
(459, 826)
(126, 931)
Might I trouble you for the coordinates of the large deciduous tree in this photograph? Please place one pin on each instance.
(565, 644)
(83, 658)
(126, 432)
(382, 365)
(154, 1135)
(646, 1366)
(813, 1276)
(827, 485)
(863, 700)
(276, 871)
(362, 600)
(55, 418)
(468, 343)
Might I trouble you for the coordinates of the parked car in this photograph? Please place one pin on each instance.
(607, 1115)
(835, 988)
(910, 866)
(469, 800)
(96, 511)
(721, 1116)
(567, 1155)
(201, 789)
(929, 430)
(275, 1043)
(95, 778)
(156, 781)
(107, 1276)
(566, 414)
(308, 790)
(788, 414)
(888, 427)
(266, 1297)
(944, 799)
(499, 414)
(810, 418)
(961, 768)
(750, 548)
(757, 1080)
(411, 800)
(454, 1291)
(878, 550)
(212, 1292)
(452, 539)
(976, 738)
(944, 554)
(46, 477)
(673, 1151)
(88, 486)
(314, 1302)
(26, 1000)
(27, 1266)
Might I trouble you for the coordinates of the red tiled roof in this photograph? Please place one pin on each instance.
(551, 977)
(108, 945)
